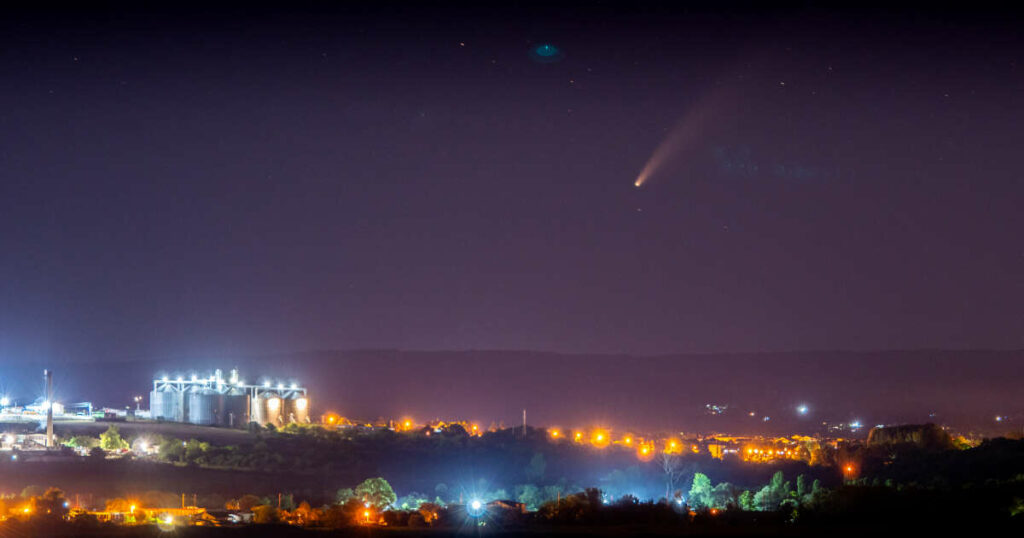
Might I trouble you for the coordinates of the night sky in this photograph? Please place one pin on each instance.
(178, 183)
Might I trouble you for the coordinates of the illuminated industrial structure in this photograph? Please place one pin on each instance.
(216, 401)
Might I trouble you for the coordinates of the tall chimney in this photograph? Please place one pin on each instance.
(48, 376)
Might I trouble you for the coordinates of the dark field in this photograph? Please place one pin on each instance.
(132, 429)
(116, 478)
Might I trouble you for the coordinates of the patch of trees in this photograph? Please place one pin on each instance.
(110, 440)
(778, 494)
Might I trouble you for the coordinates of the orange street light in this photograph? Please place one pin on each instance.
(645, 451)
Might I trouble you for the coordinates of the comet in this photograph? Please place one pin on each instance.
(695, 125)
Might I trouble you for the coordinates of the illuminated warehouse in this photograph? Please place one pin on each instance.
(215, 401)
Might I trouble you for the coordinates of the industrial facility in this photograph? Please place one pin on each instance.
(216, 401)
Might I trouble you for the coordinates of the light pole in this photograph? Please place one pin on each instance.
(138, 403)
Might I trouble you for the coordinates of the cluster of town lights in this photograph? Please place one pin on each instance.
(603, 438)
(648, 449)
(645, 449)
(407, 424)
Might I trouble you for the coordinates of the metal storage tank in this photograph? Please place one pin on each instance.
(287, 411)
(258, 410)
(296, 410)
(203, 407)
(165, 405)
(268, 409)
(157, 407)
(234, 410)
(186, 402)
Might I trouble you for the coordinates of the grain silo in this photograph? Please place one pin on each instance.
(216, 401)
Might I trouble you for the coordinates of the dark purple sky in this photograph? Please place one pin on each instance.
(181, 184)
